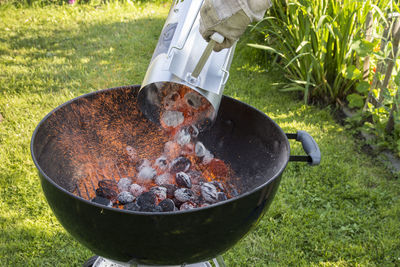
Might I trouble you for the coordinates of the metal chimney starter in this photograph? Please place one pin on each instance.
(183, 57)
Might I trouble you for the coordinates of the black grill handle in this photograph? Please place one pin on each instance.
(310, 147)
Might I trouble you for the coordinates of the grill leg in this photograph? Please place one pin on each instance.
(219, 261)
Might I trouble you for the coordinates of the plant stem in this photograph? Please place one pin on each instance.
(393, 56)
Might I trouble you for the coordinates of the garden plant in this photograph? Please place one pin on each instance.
(337, 52)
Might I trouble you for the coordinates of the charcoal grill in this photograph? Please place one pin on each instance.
(255, 146)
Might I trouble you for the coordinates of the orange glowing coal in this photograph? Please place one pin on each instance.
(106, 137)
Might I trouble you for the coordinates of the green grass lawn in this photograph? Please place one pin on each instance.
(345, 212)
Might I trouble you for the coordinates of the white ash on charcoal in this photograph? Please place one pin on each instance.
(187, 206)
(209, 192)
(167, 205)
(136, 190)
(184, 176)
(183, 137)
(193, 99)
(184, 195)
(165, 178)
(172, 118)
(102, 201)
(125, 197)
(171, 100)
(183, 180)
(200, 149)
(124, 184)
(161, 163)
(180, 164)
(203, 153)
(208, 157)
(193, 131)
(160, 193)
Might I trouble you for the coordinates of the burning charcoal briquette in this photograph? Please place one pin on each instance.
(170, 100)
(209, 192)
(106, 193)
(164, 178)
(184, 194)
(193, 131)
(183, 137)
(187, 206)
(147, 198)
(146, 174)
(200, 149)
(107, 183)
(221, 196)
(161, 163)
(132, 206)
(160, 192)
(136, 190)
(180, 164)
(172, 118)
(167, 205)
(208, 157)
(125, 197)
(170, 189)
(183, 180)
(193, 99)
(102, 201)
(123, 184)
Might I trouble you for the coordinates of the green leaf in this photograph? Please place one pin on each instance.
(302, 44)
(397, 79)
(355, 100)
(363, 47)
(267, 48)
(363, 87)
(352, 73)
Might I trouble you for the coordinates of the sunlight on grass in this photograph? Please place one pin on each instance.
(345, 212)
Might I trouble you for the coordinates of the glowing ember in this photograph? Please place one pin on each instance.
(119, 157)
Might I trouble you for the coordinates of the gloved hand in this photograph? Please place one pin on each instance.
(230, 18)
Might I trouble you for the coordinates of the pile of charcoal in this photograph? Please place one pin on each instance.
(185, 176)
(163, 198)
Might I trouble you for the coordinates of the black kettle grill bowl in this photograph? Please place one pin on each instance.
(255, 146)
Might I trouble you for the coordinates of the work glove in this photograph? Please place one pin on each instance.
(230, 18)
